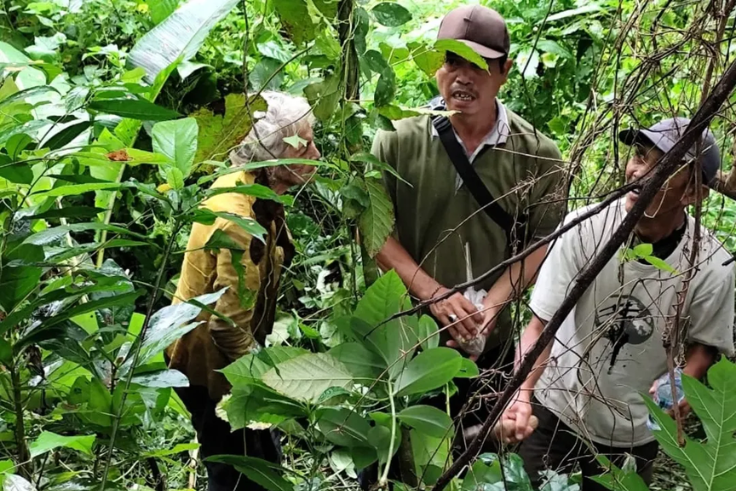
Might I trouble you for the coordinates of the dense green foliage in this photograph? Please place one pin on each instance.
(116, 115)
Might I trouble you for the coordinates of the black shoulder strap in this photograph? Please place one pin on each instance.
(514, 228)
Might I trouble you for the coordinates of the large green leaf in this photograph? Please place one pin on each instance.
(177, 140)
(710, 466)
(295, 18)
(428, 371)
(48, 441)
(208, 217)
(365, 365)
(485, 473)
(161, 379)
(218, 134)
(463, 50)
(258, 403)
(257, 470)
(427, 419)
(377, 221)
(344, 427)
(391, 14)
(140, 109)
(430, 456)
(179, 36)
(393, 341)
(51, 235)
(17, 282)
(245, 370)
(161, 9)
(306, 377)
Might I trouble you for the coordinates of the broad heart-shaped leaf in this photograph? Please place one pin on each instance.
(344, 427)
(218, 134)
(463, 50)
(377, 221)
(17, 282)
(428, 371)
(178, 141)
(179, 36)
(710, 466)
(393, 341)
(306, 377)
(391, 14)
(365, 365)
(139, 109)
(48, 441)
(257, 470)
(427, 419)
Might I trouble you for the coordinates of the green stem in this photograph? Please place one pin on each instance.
(108, 216)
(24, 456)
(136, 353)
(384, 478)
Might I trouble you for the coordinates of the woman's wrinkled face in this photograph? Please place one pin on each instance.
(298, 173)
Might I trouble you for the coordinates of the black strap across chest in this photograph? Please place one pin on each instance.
(514, 227)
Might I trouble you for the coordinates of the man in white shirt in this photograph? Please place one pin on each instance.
(586, 387)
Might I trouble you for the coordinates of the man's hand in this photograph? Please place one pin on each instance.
(520, 411)
(458, 314)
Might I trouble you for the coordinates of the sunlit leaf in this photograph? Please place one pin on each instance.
(462, 50)
(306, 377)
(430, 370)
(391, 14)
(48, 441)
(377, 221)
(134, 108)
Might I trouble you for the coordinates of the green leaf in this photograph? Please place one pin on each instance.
(380, 438)
(428, 333)
(6, 352)
(17, 282)
(178, 448)
(174, 178)
(430, 457)
(360, 361)
(50, 235)
(257, 470)
(428, 371)
(344, 427)
(549, 46)
(391, 14)
(462, 50)
(67, 135)
(324, 96)
(709, 466)
(161, 379)
(257, 190)
(468, 369)
(586, 9)
(177, 140)
(615, 479)
(295, 19)
(208, 217)
(67, 212)
(140, 109)
(245, 370)
(161, 9)
(17, 172)
(76, 189)
(48, 441)
(179, 36)
(660, 264)
(306, 377)
(428, 59)
(427, 419)
(643, 250)
(385, 88)
(258, 403)
(377, 221)
(218, 134)
(393, 341)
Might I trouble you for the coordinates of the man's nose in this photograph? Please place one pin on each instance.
(463, 77)
(315, 152)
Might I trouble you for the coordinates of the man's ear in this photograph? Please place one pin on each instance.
(691, 197)
(507, 67)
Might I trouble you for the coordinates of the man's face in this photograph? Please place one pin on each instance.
(299, 173)
(467, 88)
(676, 193)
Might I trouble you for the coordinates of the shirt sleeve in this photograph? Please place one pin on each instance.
(547, 196)
(556, 276)
(711, 314)
(236, 271)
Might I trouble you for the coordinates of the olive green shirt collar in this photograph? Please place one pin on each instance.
(497, 136)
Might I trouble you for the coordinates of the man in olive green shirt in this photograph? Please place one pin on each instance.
(438, 219)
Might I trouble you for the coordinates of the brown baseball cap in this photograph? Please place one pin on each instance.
(481, 28)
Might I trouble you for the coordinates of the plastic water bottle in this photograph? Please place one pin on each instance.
(663, 395)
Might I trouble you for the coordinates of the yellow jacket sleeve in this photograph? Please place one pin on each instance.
(235, 270)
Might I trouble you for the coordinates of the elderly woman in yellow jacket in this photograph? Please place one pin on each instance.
(216, 343)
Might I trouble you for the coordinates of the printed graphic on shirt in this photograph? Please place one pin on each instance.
(625, 320)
